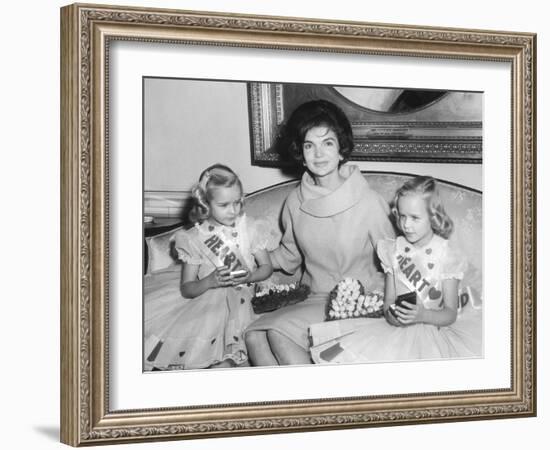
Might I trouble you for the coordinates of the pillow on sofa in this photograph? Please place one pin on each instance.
(162, 253)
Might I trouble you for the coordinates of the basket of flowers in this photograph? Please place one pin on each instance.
(274, 296)
(349, 299)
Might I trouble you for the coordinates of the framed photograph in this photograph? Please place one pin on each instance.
(250, 115)
(389, 124)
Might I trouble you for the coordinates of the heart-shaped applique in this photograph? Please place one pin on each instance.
(242, 301)
(211, 228)
(430, 266)
(434, 293)
(428, 251)
(234, 234)
(181, 354)
(407, 249)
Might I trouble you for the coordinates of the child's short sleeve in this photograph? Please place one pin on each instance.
(186, 249)
(263, 235)
(385, 249)
(454, 264)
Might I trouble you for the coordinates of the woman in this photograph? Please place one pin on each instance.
(331, 224)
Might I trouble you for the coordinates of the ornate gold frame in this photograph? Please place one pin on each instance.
(86, 31)
(374, 139)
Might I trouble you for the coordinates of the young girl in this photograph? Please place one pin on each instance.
(421, 291)
(223, 254)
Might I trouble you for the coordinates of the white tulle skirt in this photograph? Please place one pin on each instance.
(375, 340)
(197, 333)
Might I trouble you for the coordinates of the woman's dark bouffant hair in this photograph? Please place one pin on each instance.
(442, 224)
(312, 114)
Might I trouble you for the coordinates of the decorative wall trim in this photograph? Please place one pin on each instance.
(166, 203)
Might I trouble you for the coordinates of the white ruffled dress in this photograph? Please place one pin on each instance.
(196, 333)
(375, 340)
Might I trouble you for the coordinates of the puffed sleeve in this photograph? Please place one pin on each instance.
(385, 249)
(186, 248)
(454, 264)
(263, 235)
(380, 226)
(287, 255)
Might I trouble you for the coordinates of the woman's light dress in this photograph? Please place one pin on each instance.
(332, 234)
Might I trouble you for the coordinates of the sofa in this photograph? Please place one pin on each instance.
(464, 206)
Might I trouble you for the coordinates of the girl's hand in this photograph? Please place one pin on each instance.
(240, 279)
(391, 318)
(220, 278)
(409, 313)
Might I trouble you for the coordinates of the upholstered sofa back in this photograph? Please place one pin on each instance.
(463, 205)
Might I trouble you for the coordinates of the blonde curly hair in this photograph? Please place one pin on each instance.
(425, 186)
(215, 176)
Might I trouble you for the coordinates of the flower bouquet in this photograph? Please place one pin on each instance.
(349, 300)
(274, 296)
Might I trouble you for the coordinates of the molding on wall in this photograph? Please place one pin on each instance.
(166, 203)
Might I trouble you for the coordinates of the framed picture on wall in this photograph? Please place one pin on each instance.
(151, 98)
(389, 124)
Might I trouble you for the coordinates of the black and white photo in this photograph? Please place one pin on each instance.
(328, 232)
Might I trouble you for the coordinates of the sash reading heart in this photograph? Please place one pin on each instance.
(221, 251)
(417, 274)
